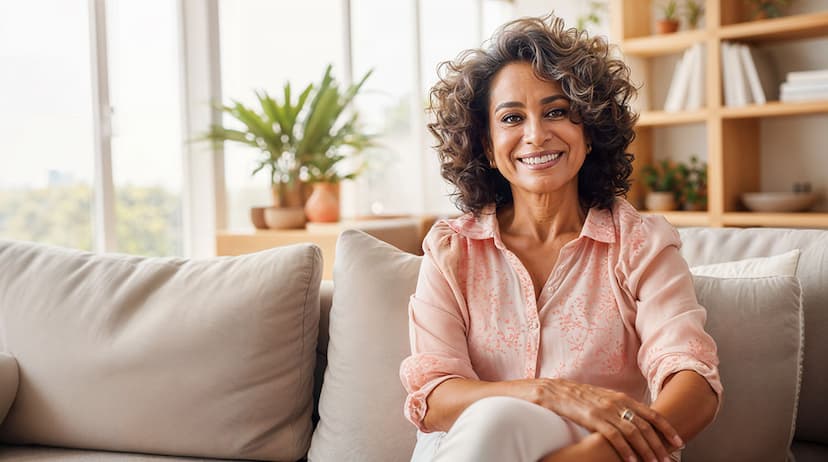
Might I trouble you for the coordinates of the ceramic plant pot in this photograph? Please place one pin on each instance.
(284, 217)
(659, 201)
(257, 217)
(323, 204)
(667, 27)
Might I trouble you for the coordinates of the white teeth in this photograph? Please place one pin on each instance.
(540, 159)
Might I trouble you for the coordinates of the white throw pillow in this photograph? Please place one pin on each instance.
(361, 407)
(778, 265)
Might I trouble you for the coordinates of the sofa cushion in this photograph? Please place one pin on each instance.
(777, 265)
(8, 383)
(710, 245)
(47, 454)
(209, 358)
(360, 409)
(757, 325)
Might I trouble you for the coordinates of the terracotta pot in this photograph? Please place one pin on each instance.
(659, 201)
(667, 27)
(323, 203)
(290, 195)
(257, 217)
(284, 217)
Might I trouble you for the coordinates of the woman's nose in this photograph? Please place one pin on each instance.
(534, 132)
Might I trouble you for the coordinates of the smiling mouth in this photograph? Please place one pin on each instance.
(541, 158)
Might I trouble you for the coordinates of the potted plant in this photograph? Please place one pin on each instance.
(764, 9)
(693, 184)
(669, 21)
(693, 9)
(662, 180)
(298, 140)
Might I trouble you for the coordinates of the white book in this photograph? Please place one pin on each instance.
(789, 87)
(677, 93)
(728, 76)
(743, 97)
(695, 91)
(807, 76)
(787, 97)
(749, 67)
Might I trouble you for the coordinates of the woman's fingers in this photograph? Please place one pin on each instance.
(617, 439)
(644, 439)
(660, 424)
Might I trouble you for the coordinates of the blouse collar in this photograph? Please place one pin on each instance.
(598, 226)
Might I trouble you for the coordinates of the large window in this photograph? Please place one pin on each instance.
(146, 125)
(46, 141)
(96, 133)
(382, 40)
(48, 132)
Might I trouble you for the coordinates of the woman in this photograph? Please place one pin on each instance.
(544, 315)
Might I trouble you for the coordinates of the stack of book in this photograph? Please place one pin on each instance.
(687, 86)
(805, 86)
(742, 85)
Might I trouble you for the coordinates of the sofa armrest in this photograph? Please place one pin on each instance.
(8, 383)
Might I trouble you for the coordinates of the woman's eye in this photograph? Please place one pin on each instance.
(556, 113)
(511, 119)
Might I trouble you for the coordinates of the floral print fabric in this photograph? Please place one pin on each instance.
(618, 310)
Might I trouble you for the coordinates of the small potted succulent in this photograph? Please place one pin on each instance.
(764, 9)
(662, 181)
(693, 185)
(669, 21)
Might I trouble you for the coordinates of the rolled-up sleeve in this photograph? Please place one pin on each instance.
(437, 331)
(669, 320)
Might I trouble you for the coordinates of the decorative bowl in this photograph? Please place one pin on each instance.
(285, 217)
(779, 201)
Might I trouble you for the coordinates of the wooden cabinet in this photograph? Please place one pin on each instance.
(404, 233)
(732, 133)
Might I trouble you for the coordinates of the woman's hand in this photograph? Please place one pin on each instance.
(600, 410)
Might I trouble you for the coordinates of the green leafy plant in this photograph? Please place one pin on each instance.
(693, 184)
(669, 10)
(305, 138)
(768, 8)
(693, 9)
(662, 177)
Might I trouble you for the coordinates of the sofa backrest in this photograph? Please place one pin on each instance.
(715, 245)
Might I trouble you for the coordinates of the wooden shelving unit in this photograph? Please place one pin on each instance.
(732, 133)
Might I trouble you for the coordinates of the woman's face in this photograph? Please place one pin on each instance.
(534, 145)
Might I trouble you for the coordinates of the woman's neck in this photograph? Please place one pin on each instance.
(543, 217)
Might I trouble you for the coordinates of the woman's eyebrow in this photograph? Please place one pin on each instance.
(546, 100)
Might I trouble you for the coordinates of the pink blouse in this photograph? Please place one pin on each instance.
(619, 310)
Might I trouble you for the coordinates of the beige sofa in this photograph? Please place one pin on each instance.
(108, 357)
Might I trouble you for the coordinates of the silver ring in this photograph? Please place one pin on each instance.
(627, 415)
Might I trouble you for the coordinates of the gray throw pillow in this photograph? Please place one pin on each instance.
(758, 327)
(209, 358)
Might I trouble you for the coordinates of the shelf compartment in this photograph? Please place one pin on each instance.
(660, 118)
(679, 218)
(797, 27)
(775, 108)
(665, 44)
(777, 220)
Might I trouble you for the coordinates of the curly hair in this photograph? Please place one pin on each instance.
(597, 85)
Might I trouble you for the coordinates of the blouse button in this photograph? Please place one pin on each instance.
(533, 324)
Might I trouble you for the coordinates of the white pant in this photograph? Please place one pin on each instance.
(499, 429)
